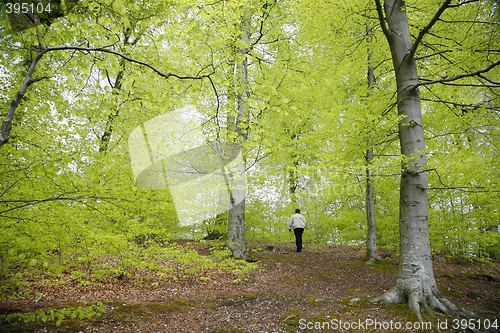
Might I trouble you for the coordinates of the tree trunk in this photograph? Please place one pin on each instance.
(7, 123)
(415, 281)
(236, 218)
(371, 234)
(293, 176)
(236, 225)
(108, 128)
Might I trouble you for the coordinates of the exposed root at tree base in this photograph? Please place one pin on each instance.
(372, 259)
(420, 301)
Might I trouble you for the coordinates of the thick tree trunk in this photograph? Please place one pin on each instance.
(415, 281)
(236, 231)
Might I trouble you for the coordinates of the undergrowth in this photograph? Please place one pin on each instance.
(135, 262)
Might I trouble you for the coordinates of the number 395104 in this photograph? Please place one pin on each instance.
(30, 8)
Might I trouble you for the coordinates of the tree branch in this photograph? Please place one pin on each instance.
(381, 18)
(118, 54)
(38, 79)
(7, 123)
(463, 3)
(428, 27)
(433, 54)
(489, 80)
(461, 76)
(34, 202)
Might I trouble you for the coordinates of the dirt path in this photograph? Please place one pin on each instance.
(322, 289)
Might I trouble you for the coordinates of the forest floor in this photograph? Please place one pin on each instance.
(321, 289)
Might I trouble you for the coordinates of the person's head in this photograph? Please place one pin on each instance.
(297, 211)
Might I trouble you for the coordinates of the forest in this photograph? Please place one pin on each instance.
(130, 127)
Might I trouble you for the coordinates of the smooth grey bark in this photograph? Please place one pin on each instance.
(415, 282)
(371, 233)
(236, 219)
(239, 124)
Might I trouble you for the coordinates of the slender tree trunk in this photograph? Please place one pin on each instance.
(108, 128)
(293, 185)
(292, 175)
(236, 218)
(415, 282)
(371, 235)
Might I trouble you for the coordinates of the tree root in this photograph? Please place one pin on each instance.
(372, 258)
(421, 299)
(237, 251)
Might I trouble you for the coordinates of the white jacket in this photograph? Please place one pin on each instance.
(297, 221)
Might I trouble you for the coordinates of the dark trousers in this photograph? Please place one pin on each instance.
(298, 238)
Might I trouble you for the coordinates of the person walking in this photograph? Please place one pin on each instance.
(298, 223)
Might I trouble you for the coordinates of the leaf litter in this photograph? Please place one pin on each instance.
(286, 290)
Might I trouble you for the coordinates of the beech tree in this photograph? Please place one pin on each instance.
(415, 281)
(286, 83)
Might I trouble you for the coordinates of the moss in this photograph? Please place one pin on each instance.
(357, 290)
(290, 279)
(290, 320)
(317, 302)
(400, 310)
(209, 303)
(325, 275)
(350, 264)
(145, 311)
(379, 266)
(285, 259)
(448, 291)
(383, 266)
(179, 305)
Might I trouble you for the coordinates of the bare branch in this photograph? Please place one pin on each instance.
(463, 3)
(458, 77)
(8, 188)
(7, 123)
(457, 188)
(216, 94)
(433, 54)
(489, 80)
(33, 202)
(428, 27)
(105, 50)
(38, 79)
